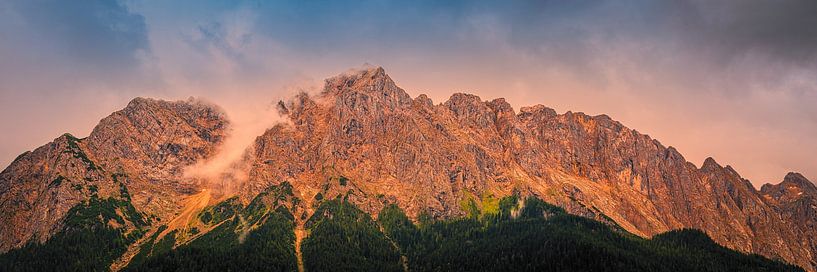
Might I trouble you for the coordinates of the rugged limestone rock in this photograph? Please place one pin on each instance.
(39, 187)
(364, 139)
(428, 157)
(796, 200)
(152, 141)
(144, 146)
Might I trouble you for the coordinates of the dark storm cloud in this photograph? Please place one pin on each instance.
(721, 32)
(61, 40)
(103, 32)
(783, 30)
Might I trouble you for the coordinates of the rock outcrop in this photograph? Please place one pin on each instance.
(152, 141)
(796, 200)
(144, 147)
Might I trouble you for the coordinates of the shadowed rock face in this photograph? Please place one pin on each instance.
(144, 146)
(365, 139)
(429, 157)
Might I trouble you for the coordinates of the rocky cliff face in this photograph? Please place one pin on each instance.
(144, 146)
(796, 200)
(152, 141)
(365, 139)
(364, 129)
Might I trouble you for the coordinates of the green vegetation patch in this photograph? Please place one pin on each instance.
(148, 248)
(344, 238)
(501, 236)
(221, 211)
(57, 181)
(93, 236)
(231, 246)
(76, 151)
(545, 238)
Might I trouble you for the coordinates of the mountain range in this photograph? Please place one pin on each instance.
(363, 149)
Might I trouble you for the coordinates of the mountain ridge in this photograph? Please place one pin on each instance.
(389, 148)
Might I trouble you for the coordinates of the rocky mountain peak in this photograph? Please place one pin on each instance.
(359, 79)
(795, 199)
(711, 165)
(794, 186)
(138, 102)
(471, 109)
(424, 101)
(367, 83)
(536, 113)
(156, 139)
(143, 148)
(799, 180)
(191, 111)
(536, 109)
(499, 105)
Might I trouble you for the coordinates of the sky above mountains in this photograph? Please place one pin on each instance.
(734, 80)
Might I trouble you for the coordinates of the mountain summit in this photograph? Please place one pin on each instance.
(365, 140)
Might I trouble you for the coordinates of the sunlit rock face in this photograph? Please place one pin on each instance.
(796, 200)
(152, 142)
(428, 157)
(145, 147)
(365, 139)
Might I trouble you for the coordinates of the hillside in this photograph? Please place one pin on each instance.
(361, 156)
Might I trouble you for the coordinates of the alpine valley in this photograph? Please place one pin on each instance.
(362, 177)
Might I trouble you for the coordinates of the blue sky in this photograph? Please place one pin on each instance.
(735, 80)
